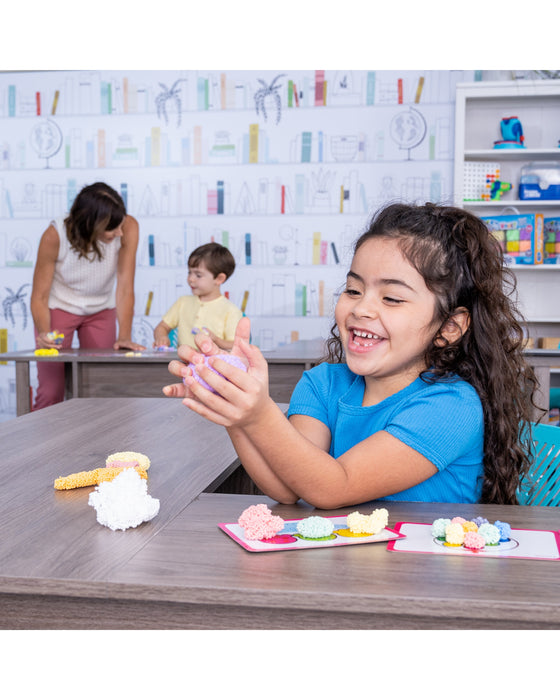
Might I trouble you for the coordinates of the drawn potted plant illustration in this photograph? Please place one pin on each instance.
(321, 184)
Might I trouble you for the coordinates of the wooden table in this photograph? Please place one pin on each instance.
(108, 373)
(61, 569)
(212, 582)
(49, 536)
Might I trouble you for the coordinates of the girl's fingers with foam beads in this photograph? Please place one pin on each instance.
(210, 379)
(232, 368)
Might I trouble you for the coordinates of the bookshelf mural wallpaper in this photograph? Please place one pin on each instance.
(285, 168)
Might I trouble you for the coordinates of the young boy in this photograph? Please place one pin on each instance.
(206, 310)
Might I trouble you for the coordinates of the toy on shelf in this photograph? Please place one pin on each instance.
(479, 179)
(499, 188)
(512, 134)
(540, 180)
(552, 241)
(520, 236)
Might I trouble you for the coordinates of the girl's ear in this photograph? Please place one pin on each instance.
(454, 328)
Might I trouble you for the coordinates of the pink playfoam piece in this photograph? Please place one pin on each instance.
(259, 523)
(122, 463)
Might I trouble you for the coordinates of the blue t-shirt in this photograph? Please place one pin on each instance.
(442, 420)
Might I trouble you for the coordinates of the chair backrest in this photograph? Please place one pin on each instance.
(541, 486)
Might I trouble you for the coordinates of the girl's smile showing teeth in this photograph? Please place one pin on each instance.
(364, 338)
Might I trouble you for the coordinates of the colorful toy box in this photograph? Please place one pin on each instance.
(520, 237)
(552, 241)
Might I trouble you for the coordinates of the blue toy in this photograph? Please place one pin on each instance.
(512, 134)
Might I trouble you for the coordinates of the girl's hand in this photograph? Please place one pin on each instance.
(206, 348)
(241, 397)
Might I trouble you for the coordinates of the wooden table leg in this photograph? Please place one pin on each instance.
(23, 398)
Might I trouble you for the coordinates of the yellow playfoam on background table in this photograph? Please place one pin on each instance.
(46, 351)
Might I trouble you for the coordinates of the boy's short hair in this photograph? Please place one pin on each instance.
(216, 257)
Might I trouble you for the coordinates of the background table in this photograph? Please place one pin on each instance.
(108, 373)
(99, 373)
(61, 569)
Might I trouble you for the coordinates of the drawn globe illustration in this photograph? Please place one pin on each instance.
(408, 129)
(46, 139)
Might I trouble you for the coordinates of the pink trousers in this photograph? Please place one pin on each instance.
(96, 331)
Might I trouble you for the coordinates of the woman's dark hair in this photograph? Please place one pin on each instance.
(216, 257)
(462, 264)
(96, 209)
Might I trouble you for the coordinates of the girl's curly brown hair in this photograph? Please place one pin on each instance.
(96, 209)
(463, 265)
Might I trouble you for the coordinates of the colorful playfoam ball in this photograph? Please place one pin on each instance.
(505, 530)
(474, 541)
(454, 533)
(315, 527)
(372, 524)
(259, 523)
(438, 527)
(226, 357)
(479, 521)
(490, 533)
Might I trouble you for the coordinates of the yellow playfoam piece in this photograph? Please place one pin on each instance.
(92, 478)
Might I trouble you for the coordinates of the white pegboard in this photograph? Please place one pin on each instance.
(478, 179)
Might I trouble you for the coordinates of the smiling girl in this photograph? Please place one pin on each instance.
(425, 391)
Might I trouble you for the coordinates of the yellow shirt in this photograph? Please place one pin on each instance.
(220, 316)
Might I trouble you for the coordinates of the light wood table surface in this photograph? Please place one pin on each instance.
(109, 373)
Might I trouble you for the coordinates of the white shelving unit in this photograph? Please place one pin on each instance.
(479, 108)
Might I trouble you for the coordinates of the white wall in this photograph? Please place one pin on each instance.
(376, 136)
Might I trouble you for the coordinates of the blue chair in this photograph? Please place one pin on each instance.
(541, 486)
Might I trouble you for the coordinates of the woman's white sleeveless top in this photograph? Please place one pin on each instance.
(85, 285)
